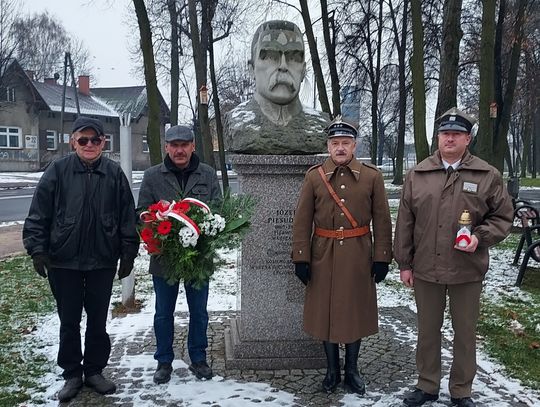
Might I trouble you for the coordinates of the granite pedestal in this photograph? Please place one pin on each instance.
(268, 332)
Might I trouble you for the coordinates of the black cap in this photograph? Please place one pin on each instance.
(455, 120)
(180, 133)
(341, 128)
(83, 122)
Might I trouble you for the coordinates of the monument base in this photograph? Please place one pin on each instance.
(274, 354)
(268, 332)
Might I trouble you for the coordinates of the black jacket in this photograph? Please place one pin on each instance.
(82, 217)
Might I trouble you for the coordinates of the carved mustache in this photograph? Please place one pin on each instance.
(282, 79)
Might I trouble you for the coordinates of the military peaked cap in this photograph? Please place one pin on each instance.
(456, 120)
(341, 128)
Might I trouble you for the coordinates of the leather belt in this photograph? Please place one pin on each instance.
(341, 234)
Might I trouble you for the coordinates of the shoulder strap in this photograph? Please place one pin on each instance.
(336, 198)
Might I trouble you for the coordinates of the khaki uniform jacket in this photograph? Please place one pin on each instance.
(341, 303)
(428, 216)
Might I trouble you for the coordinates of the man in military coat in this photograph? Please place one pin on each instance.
(435, 194)
(346, 254)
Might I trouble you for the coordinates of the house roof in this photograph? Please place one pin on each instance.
(129, 99)
(89, 105)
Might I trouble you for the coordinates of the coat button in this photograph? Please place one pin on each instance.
(341, 242)
(341, 228)
(342, 174)
(342, 186)
(299, 251)
(341, 214)
(342, 200)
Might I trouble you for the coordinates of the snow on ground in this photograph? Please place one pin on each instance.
(223, 297)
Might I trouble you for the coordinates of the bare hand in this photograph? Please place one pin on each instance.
(407, 277)
(471, 247)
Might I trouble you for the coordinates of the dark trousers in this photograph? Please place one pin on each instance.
(197, 300)
(73, 291)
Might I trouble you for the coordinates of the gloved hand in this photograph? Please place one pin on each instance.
(303, 272)
(41, 264)
(126, 265)
(379, 269)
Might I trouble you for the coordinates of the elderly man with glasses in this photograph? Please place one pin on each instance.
(81, 222)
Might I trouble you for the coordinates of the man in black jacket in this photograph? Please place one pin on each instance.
(81, 221)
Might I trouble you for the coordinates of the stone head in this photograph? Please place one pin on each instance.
(277, 61)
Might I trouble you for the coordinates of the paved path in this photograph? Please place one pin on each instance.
(386, 361)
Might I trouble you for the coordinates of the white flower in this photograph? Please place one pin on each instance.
(212, 225)
(187, 237)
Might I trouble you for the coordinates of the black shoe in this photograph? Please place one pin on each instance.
(463, 402)
(71, 389)
(100, 384)
(163, 373)
(333, 374)
(201, 370)
(353, 381)
(419, 397)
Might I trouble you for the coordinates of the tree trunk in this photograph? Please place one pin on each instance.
(419, 87)
(401, 48)
(217, 109)
(199, 42)
(315, 60)
(328, 24)
(175, 64)
(449, 62)
(503, 121)
(152, 92)
(484, 145)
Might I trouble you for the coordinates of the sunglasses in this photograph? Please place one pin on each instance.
(82, 141)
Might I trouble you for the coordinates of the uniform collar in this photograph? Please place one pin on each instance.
(330, 167)
(468, 161)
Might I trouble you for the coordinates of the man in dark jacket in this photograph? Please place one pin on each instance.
(180, 175)
(81, 221)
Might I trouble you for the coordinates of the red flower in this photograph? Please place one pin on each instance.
(164, 227)
(148, 217)
(147, 235)
(181, 207)
(152, 246)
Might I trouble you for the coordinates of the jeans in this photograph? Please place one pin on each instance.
(73, 291)
(197, 300)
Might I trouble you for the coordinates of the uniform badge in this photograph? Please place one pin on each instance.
(470, 187)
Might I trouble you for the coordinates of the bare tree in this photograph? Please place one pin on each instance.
(449, 62)
(152, 91)
(8, 12)
(41, 42)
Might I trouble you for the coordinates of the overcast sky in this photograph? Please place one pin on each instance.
(101, 25)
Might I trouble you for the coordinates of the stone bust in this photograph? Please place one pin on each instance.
(274, 121)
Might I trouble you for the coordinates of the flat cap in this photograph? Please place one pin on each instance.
(456, 120)
(84, 122)
(341, 128)
(179, 133)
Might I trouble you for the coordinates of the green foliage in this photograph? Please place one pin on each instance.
(196, 265)
(24, 298)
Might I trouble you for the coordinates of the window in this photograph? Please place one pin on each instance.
(108, 143)
(145, 145)
(51, 140)
(7, 94)
(10, 137)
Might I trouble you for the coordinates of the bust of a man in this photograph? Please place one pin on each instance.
(274, 121)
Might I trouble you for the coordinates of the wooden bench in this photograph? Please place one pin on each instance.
(529, 218)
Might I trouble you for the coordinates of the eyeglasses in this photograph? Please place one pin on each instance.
(82, 141)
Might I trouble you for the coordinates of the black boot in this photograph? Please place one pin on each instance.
(333, 375)
(353, 380)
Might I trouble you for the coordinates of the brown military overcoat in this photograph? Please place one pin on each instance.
(341, 303)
